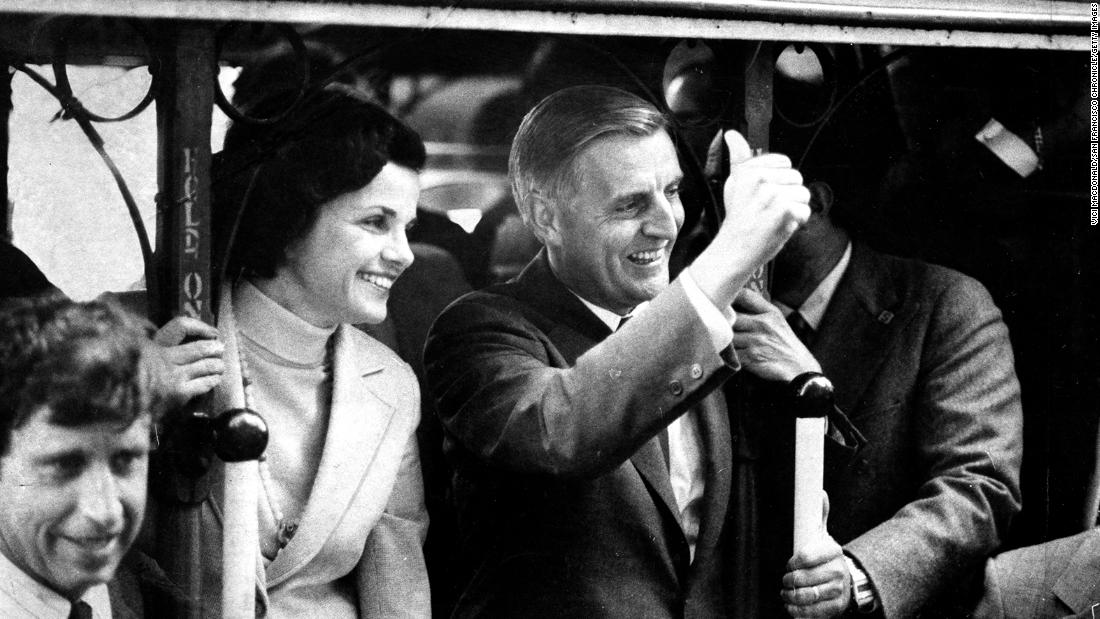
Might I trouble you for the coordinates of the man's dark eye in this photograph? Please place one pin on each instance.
(65, 467)
(123, 463)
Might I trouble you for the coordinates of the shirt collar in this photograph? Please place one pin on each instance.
(38, 600)
(608, 317)
(813, 308)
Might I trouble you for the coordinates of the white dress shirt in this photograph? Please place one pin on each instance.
(23, 597)
(813, 308)
(686, 461)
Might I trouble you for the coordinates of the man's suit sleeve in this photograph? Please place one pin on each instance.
(967, 425)
(506, 392)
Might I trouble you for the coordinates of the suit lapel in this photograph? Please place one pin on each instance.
(358, 420)
(715, 428)
(650, 463)
(574, 329)
(538, 287)
(861, 319)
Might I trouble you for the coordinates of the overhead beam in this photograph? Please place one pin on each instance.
(1022, 24)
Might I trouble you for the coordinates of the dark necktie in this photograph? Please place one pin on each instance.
(800, 327)
(662, 436)
(80, 610)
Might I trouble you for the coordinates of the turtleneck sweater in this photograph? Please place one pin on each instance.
(289, 365)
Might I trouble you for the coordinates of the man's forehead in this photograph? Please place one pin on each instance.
(42, 429)
(619, 158)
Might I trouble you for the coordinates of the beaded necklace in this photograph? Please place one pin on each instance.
(285, 528)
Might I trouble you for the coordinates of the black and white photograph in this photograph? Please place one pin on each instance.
(549, 309)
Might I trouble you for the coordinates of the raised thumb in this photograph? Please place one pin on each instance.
(738, 147)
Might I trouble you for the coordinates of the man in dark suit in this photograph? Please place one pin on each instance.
(922, 365)
(592, 454)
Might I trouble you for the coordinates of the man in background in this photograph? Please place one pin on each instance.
(922, 366)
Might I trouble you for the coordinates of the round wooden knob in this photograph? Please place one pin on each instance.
(239, 434)
(812, 394)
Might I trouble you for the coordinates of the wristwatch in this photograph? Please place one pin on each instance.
(864, 599)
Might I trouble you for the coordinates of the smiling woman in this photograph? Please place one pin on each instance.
(341, 271)
(313, 212)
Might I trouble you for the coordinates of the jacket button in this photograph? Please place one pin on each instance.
(696, 370)
(675, 388)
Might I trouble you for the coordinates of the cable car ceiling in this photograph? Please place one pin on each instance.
(1029, 24)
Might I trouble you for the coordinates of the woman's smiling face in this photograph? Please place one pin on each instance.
(342, 269)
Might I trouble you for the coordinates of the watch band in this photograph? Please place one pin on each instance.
(863, 592)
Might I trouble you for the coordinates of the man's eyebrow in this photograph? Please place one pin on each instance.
(626, 198)
(55, 457)
(387, 211)
(132, 450)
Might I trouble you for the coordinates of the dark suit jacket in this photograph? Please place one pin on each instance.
(1057, 579)
(141, 589)
(564, 501)
(922, 364)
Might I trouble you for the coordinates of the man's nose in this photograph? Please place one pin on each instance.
(664, 218)
(101, 498)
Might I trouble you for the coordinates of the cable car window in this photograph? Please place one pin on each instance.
(66, 212)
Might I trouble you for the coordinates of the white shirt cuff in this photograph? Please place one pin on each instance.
(718, 321)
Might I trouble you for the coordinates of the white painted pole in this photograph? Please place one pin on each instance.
(809, 479)
(812, 395)
(239, 544)
(240, 541)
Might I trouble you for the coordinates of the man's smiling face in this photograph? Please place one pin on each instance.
(72, 499)
(614, 234)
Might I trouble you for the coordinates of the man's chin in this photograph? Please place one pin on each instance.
(84, 570)
(76, 582)
(648, 289)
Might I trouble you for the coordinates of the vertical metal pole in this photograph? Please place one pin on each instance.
(759, 84)
(184, 110)
(5, 139)
(185, 103)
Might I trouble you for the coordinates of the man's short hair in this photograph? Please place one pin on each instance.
(86, 362)
(557, 130)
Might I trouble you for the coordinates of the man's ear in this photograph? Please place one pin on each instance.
(821, 197)
(544, 219)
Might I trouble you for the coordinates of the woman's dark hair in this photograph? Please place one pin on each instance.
(85, 362)
(280, 174)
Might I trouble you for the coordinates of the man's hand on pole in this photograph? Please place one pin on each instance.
(817, 582)
(193, 352)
